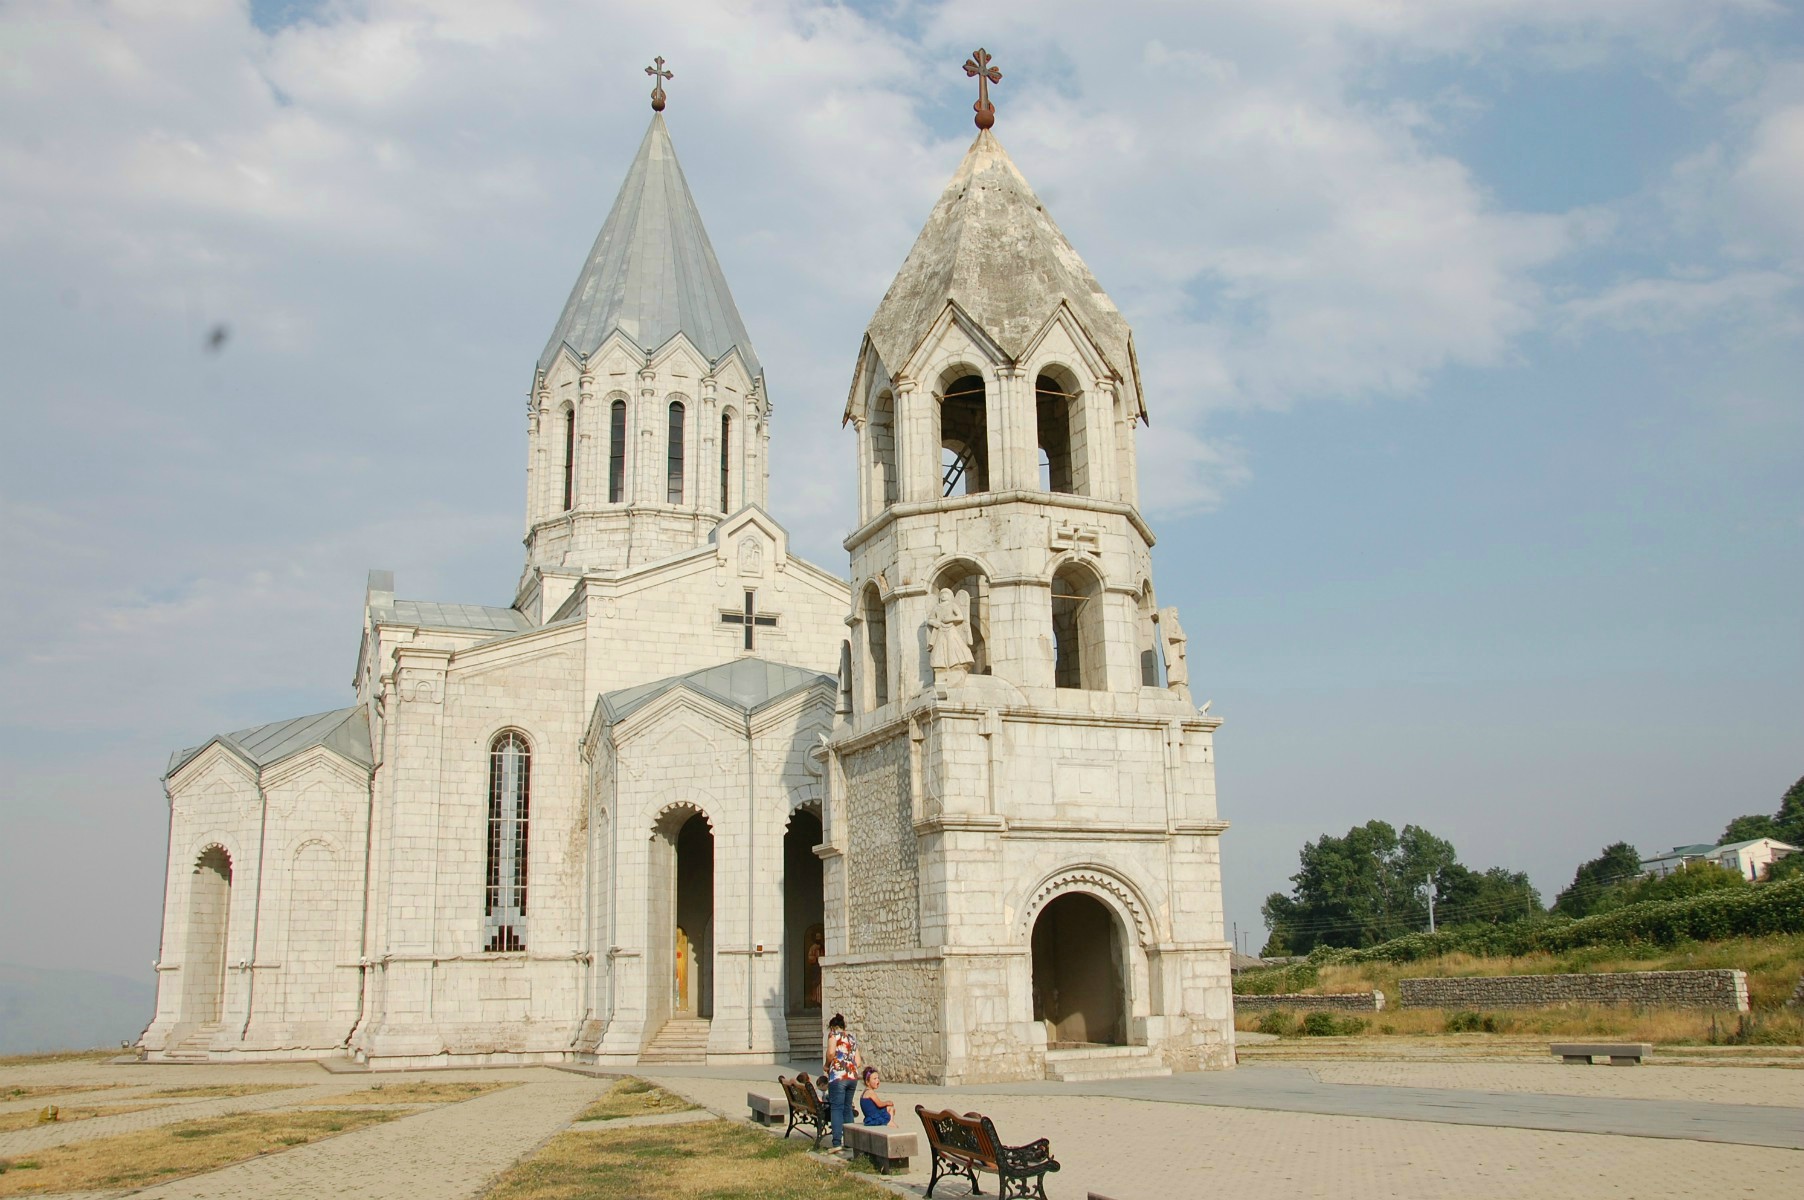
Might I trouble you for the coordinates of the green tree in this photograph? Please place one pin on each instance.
(1498, 896)
(1619, 864)
(1357, 890)
(1789, 822)
(1746, 829)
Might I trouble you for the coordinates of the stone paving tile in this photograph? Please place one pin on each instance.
(1725, 1084)
(1139, 1150)
(447, 1152)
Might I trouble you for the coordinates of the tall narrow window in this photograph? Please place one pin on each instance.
(674, 458)
(1059, 425)
(726, 461)
(510, 775)
(1077, 642)
(569, 459)
(883, 450)
(617, 452)
(876, 643)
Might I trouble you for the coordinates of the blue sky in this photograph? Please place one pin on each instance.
(1471, 336)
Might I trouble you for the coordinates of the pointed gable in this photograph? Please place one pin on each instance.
(652, 273)
(990, 248)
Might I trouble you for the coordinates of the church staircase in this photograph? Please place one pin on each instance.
(193, 1047)
(682, 1042)
(807, 1036)
(1082, 1064)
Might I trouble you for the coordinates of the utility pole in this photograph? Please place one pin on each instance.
(1430, 881)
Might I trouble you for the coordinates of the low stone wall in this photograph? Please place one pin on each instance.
(1298, 1002)
(1646, 989)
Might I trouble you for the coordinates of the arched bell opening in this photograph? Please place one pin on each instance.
(1059, 432)
(804, 913)
(1080, 966)
(964, 437)
(209, 924)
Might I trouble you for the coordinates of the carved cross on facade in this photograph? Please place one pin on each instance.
(659, 75)
(978, 67)
(751, 619)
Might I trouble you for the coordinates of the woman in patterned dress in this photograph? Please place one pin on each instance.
(842, 1068)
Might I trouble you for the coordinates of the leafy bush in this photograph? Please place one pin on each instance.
(1471, 1022)
(1327, 1024)
(1275, 981)
(1278, 1023)
(1708, 916)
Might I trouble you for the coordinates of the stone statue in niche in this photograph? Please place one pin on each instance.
(1177, 664)
(949, 638)
(751, 556)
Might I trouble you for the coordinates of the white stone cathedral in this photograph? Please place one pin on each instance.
(688, 792)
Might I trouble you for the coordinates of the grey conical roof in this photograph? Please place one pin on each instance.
(990, 247)
(652, 274)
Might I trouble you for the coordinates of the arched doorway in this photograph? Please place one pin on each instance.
(1079, 965)
(692, 985)
(209, 921)
(804, 934)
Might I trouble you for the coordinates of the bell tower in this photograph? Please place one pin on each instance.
(647, 421)
(1022, 837)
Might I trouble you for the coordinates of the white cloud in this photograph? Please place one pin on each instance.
(1658, 306)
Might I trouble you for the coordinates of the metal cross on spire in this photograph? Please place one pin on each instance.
(978, 66)
(659, 75)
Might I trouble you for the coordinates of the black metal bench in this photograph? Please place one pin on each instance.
(966, 1145)
(805, 1108)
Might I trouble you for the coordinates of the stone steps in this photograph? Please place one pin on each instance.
(682, 1041)
(193, 1047)
(1103, 1062)
(807, 1037)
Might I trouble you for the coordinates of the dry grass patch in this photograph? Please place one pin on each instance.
(719, 1160)
(222, 1091)
(58, 1056)
(31, 1118)
(46, 1090)
(133, 1160)
(631, 1097)
(414, 1093)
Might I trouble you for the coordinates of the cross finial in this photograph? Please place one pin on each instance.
(978, 66)
(659, 75)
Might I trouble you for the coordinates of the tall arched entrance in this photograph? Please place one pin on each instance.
(692, 937)
(1080, 963)
(804, 914)
(209, 921)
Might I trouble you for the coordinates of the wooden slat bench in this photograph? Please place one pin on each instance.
(1620, 1054)
(968, 1144)
(805, 1108)
(888, 1147)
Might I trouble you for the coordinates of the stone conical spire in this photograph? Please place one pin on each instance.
(652, 273)
(990, 247)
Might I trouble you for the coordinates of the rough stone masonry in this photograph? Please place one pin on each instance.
(1644, 989)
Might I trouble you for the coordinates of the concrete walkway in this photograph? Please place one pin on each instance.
(450, 1152)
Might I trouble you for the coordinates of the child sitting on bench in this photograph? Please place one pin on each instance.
(876, 1110)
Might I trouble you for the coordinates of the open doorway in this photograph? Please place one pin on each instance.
(692, 983)
(804, 930)
(1079, 964)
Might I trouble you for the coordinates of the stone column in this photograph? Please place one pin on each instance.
(1013, 432)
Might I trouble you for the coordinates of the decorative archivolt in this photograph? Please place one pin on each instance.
(663, 815)
(208, 848)
(1095, 881)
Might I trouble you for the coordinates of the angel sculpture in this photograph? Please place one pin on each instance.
(949, 638)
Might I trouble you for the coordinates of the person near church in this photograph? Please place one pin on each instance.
(874, 1108)
(842, 1068)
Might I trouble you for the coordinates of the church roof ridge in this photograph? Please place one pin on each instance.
(745, 685)
(652, 272)
(345, 731)
(990, 247)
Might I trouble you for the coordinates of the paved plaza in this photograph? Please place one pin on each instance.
(1372, 1128)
